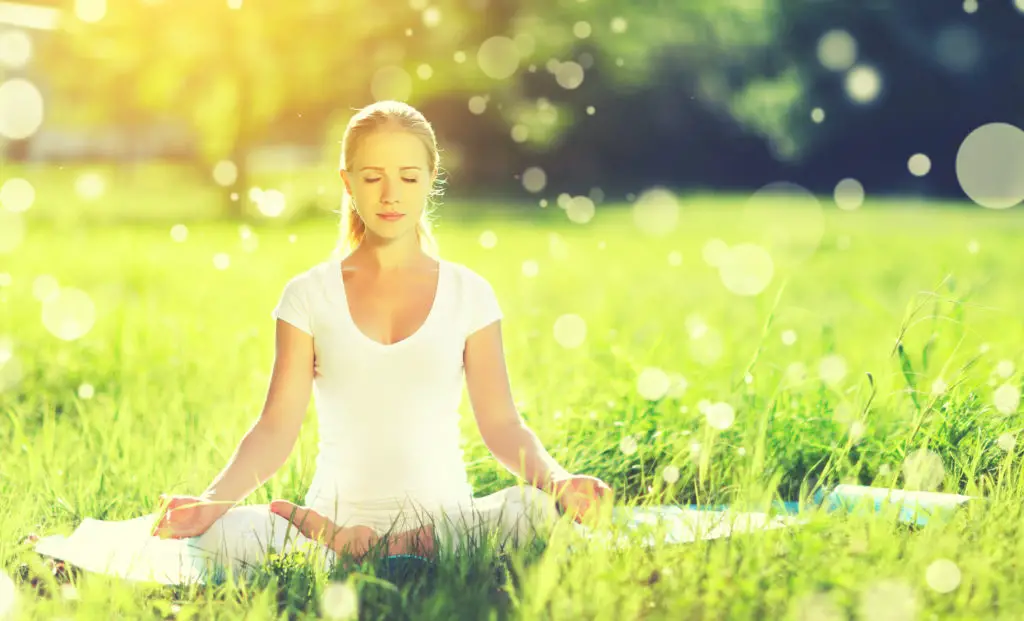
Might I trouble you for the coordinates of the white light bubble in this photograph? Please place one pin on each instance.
(720, 415)
(179, 233)
(70, 314)
(832, 369)
(292, 238)
(582, 30)
(17, 195)
(15, 48)
(715, 252)
(971, 6)
(391, 83)
(534, 179)
(973, 246)
(250, 243)
(1006, 398)
(652, 383)
(785, 219)
(90, 11)
(988, 165)
(5, 279)
(569, 75)
(21, 109)
(919, 164)
(817, 115)
(675, 259)
(857, 431)
(580, 209)
(530, 268)
(888, 600)
(477, 104)
(459, 57)
(788, 337)
(1019, 4)
(747, 270)
(498, 57)
(11, 372)
(628, 445)
(591, 110)
(570, 331)
(656, 212)
(707, 349)
(221, 261)
(225, 173)
(235, 5)
(340, 601)
(943, 575)
(670, 474)
(1006, 442)
(12, 231)
(431, 16)
(424, 72)
(837, 50)
(1005, 368)
(90, 186)
(619, 25)
(677, 385)
(923, 470)
(520, 133)
(557, 247)
(863, 84)
(45, 287)
(86, 391)
(563, 199)
(271, 203)
(849, 194)
(939, 387)
(488, 239)
(958, 48)
(817, 606)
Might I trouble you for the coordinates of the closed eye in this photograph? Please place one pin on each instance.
(376, 179)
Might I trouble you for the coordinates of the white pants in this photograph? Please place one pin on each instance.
(514, 515)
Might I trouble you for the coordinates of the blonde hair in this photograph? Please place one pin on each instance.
(367, 120)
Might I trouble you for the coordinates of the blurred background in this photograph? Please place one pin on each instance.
(196, 109)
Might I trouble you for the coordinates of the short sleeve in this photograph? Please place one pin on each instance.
(293, 305)
(484, 308)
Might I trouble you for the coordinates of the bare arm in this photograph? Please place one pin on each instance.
(269, 442)
(502, 428)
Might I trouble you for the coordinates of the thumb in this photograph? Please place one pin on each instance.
(283, 508)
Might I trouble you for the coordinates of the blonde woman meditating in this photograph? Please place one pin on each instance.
(383, 337)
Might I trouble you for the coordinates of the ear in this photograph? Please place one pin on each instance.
(346, 180)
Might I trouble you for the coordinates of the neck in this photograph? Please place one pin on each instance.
(388, 255)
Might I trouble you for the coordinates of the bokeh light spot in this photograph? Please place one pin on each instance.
(225, 173)
(90, 186)
(221, 261)
(1006, 398)
(488, 239)
(747, 269)
(86, 391)
(21, 109)
(70, 314)
(670, 474)
(656, 212)
(849, 194)
(817, 115)
(919, 164)
(271, 203)
(832, 369)
(628, 445)
(498, 57)
(863, 84)
(534, 179)
(652, 383)
(530, 268)
(715, 252)
(785, 219)
(720, 415)
(943, 575)
(15, 48)
(570, 331)
(989, 164)
(477, 104)
(619, 25)
(569, 75)
(45, 287)
(580, 209)
(339, 601)
(788, 338)
(675, 259)
(837, 50)
(90, 11)
(179, 233)
(17, 195)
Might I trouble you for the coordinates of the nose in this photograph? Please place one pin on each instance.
(390, 193)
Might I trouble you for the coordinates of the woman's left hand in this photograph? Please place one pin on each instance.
(578, 494)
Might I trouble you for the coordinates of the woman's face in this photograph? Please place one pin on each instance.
(390, 173)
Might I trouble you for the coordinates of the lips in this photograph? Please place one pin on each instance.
(391, 215)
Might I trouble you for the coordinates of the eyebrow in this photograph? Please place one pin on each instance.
(382, 170)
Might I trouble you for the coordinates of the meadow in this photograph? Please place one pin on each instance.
(883, 347)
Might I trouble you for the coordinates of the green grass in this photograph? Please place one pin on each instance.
(180, 354)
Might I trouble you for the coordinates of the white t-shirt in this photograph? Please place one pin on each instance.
(388, 414)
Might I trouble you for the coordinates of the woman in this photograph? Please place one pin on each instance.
(384, 335)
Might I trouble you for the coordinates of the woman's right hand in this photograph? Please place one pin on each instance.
(187, 516)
